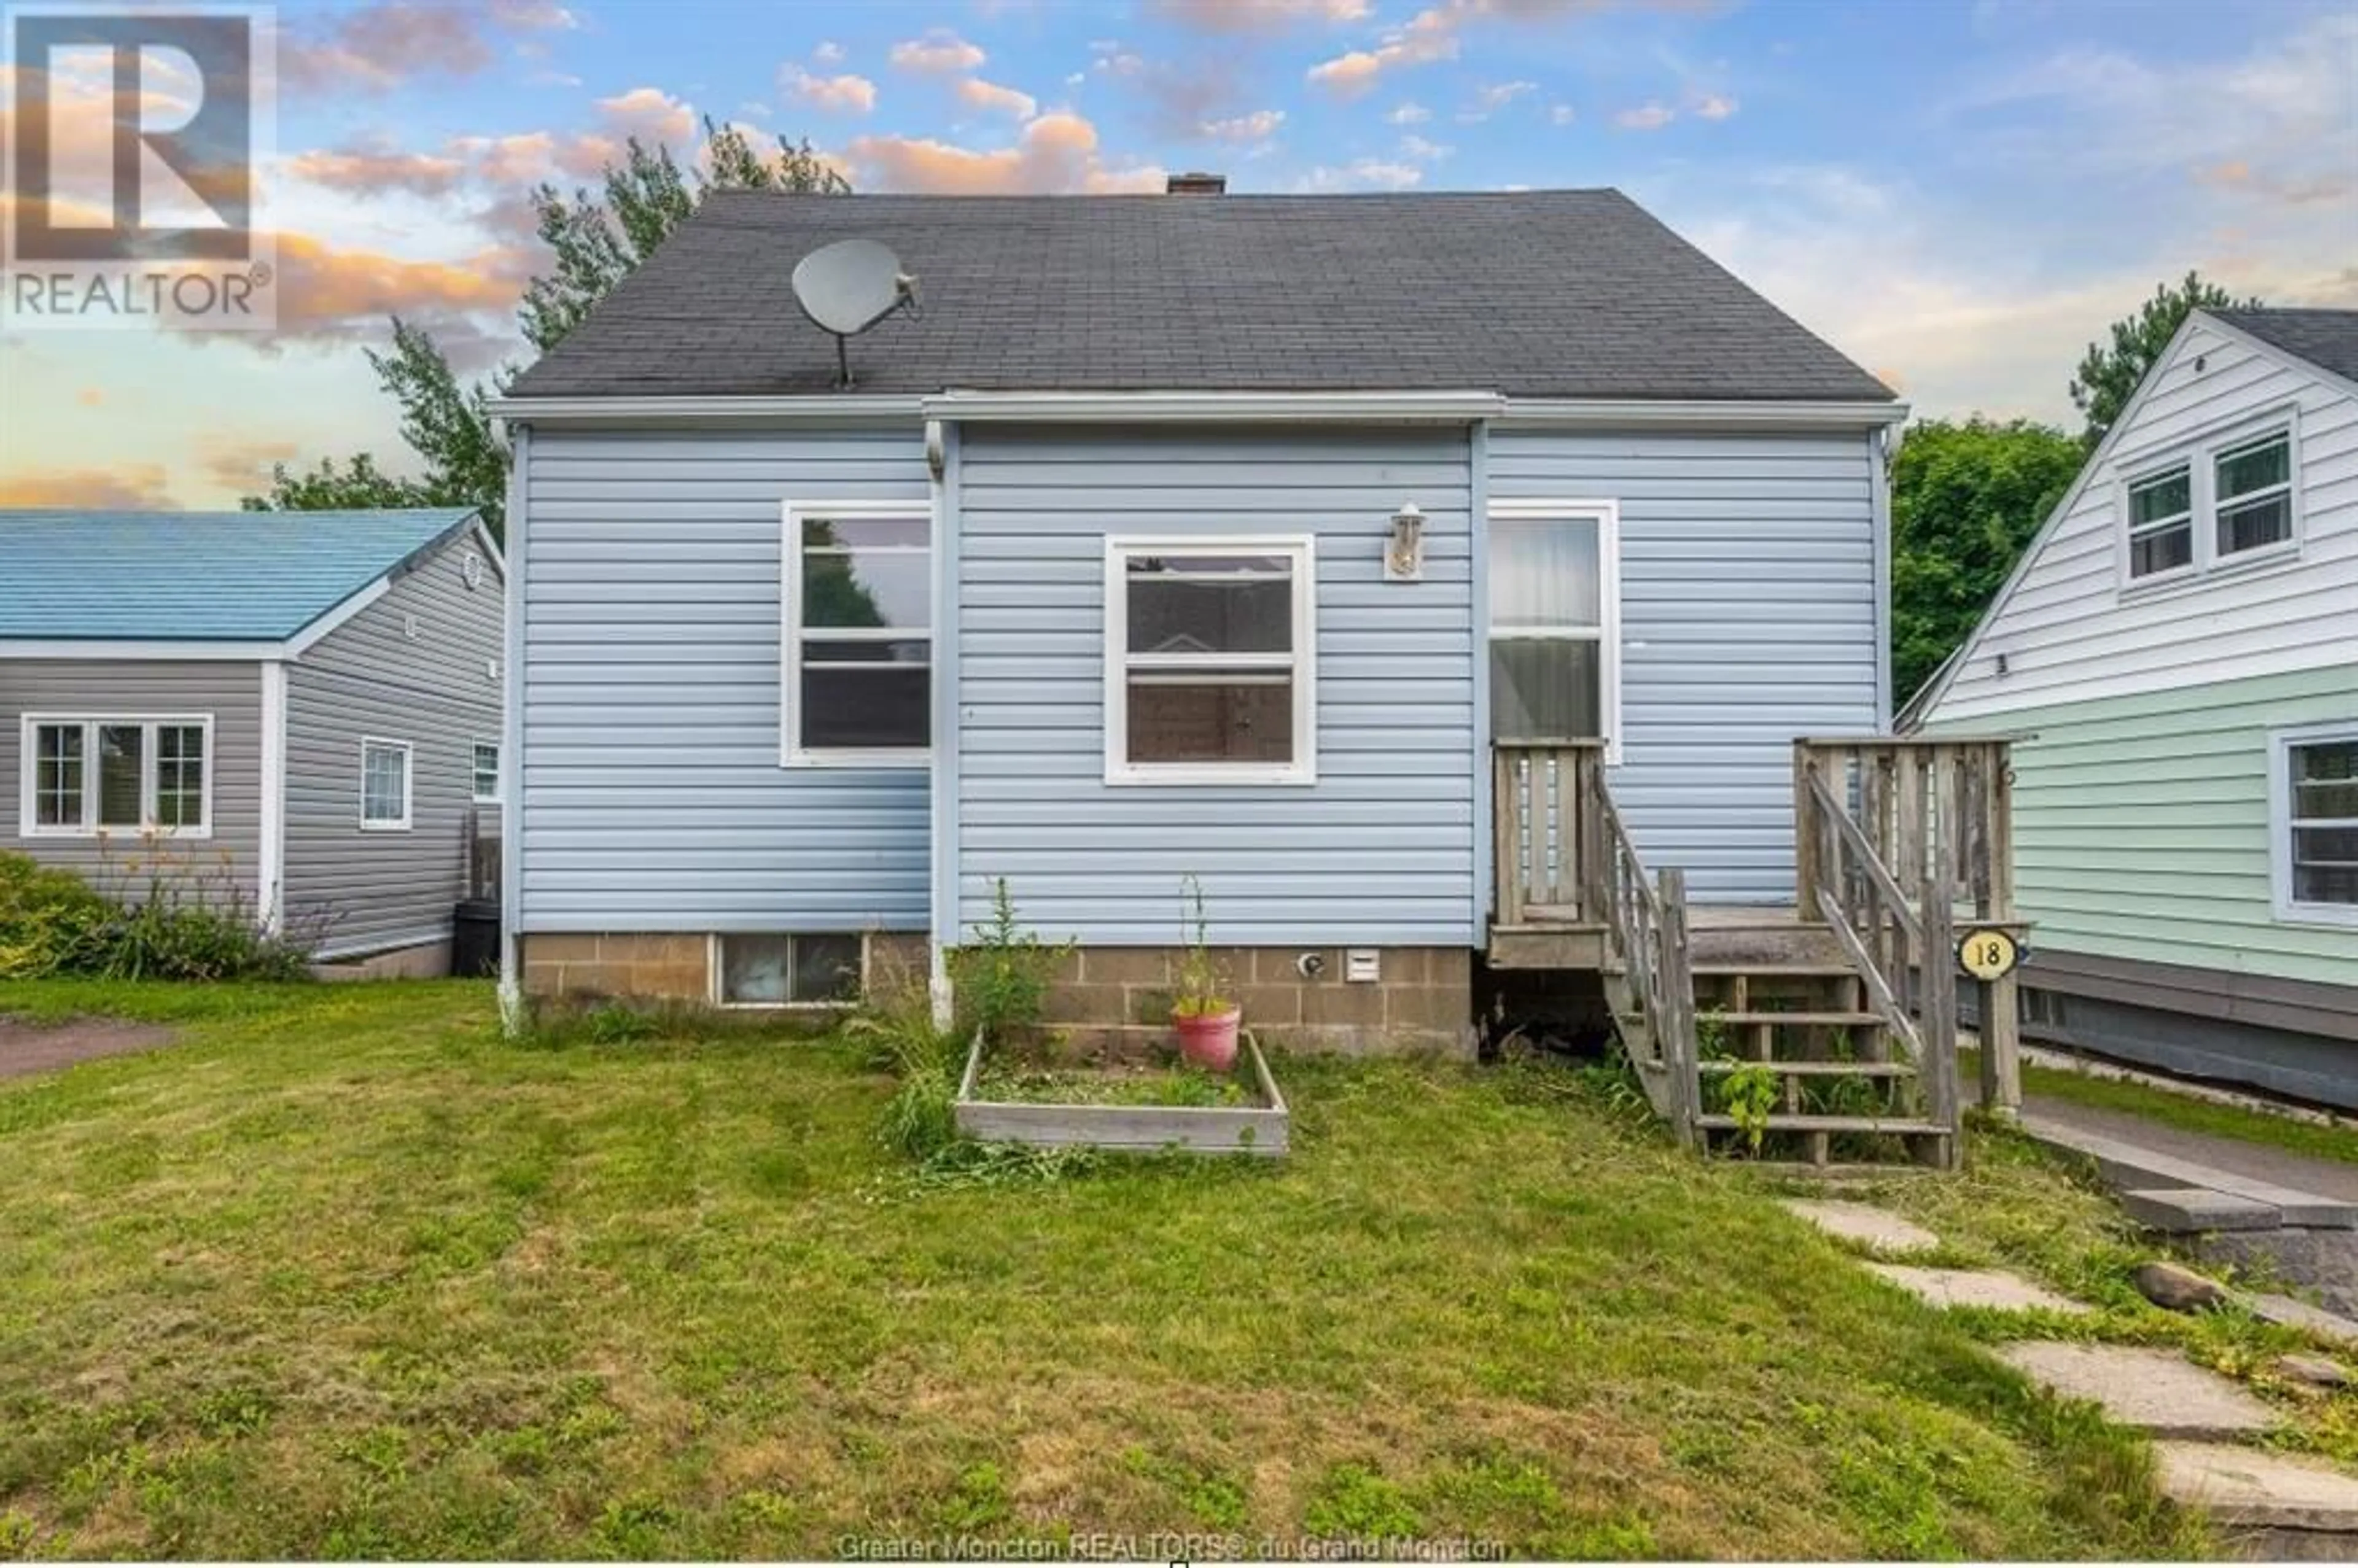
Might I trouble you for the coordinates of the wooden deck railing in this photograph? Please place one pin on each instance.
(1563, 856)
(1897, 844)
(1547, 842)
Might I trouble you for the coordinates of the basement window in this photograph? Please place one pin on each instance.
(2313, 796)
(127, 775)
(1211, 649)
(859, 635)
(805, 969)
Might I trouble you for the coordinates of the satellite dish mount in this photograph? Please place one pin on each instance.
(848, 287)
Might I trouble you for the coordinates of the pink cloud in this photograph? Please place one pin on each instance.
(939, 53)
(1056, 152)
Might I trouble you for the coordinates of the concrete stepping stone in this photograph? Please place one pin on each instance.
(1864, 1224)
(2155, 1390)
(2290, 1313)
(2248, 1489)
(1975, 1288)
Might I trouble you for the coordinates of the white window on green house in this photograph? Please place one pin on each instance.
(858, 647)
(384, 785)
(806, 969)
(126, 776)
(2252, 491)
(2161, 522)
(2313, 782)
(1211, 654)
(487, 772)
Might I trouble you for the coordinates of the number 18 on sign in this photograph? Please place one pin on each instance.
(1987, 953)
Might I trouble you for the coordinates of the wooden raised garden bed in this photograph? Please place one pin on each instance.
(1126, 1093)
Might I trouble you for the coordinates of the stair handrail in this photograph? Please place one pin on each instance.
(1899, 940)
(1645, 931)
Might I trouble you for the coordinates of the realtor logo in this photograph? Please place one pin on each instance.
(134, 135)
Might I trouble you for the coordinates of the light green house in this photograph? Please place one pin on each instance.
(2177, 659)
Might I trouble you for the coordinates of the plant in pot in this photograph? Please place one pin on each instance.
(1202, 1014)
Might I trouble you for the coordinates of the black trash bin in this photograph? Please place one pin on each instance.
(475, 939)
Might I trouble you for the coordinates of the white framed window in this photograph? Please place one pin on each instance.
(857, 635)
(2161, 522)
(2228, 500)
(486, 773)
(1555, 621)
(2253, 485)
(2313, 823)
(1211, 660)
(384, 785)
(779, 970)
(129, 774)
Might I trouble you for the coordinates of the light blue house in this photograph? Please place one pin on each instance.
(1192, 535)
(295, 711)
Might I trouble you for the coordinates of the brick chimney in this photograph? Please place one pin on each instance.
(1196, 185)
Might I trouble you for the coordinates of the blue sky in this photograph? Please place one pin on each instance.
(1958, 195)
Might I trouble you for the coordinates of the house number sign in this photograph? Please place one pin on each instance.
(1988, 954)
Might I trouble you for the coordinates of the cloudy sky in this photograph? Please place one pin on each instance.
(1958, 195)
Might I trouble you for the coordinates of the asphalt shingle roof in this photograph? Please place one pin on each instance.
(2325, 338)
(1559, 293)
(196, 576)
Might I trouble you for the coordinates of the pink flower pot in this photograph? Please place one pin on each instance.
(1208, 1040)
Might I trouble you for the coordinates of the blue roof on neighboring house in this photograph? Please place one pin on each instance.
(198, 576)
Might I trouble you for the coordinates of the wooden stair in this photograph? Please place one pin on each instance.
(1772, 993)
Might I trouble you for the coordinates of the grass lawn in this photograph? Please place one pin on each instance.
(345, 1273)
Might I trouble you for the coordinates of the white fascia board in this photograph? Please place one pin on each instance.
(707, 409)
(1704, 414)
(1213, 406)
(300, 643)
(129, 648)
(970, 406)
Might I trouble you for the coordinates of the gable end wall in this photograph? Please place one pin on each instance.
(436, 690)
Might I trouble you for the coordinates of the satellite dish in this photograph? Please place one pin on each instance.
(848, 287)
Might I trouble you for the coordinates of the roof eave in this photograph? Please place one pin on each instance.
(1173, 407)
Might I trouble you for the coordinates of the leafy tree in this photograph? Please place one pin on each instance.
(600, 239)
(596, 240)
(359, 484)
(1966, 500)
(2108, 377)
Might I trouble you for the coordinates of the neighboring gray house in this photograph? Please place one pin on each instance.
(301, 706)
(1088, 582)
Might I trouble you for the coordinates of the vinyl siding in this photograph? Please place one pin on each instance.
(436, 690)
(2141, 825)
(230, 690)
(1380, 850)
(2069, 632)
(1748, 617)
(652, 796)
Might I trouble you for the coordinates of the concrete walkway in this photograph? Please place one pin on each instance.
(2253, 1162)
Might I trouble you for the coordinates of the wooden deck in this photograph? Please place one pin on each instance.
(1847, 998)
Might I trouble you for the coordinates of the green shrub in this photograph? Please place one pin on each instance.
(52, 921)
(157, 915)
